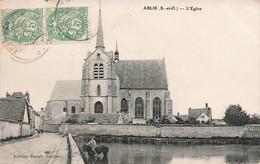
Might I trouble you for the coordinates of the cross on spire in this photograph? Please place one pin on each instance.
(100, 37)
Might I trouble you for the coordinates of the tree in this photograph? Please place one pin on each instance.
(164, 120)
(236, 116)
(192, 120)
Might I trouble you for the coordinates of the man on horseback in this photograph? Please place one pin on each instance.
(92, 143)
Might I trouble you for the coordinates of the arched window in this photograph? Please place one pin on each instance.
(101, 71)
(98, 107)
(98, 56)
(98, 90)
(156, 108)
(124, 107)
(64, 110)
(96, 71)
(73, 109)
(139, 108)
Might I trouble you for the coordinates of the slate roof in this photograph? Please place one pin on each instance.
(12, 109)
(66, 90)
(197, 112)
(99, 118)
(141, 74)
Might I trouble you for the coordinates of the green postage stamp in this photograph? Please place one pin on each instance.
(22, 25)
(67, 24)
(29, 26)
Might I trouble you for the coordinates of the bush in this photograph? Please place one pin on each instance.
(73, 119)
(150, 121)
(208, 122)
(236, 116)
(164, 120)
(91, 119)
(192, 120)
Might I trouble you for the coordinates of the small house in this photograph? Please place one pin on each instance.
(202, 115)
(36, 120)
(15, 115)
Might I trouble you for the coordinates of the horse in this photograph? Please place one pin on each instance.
(99, 149)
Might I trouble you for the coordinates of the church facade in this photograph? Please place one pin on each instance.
(135, 88)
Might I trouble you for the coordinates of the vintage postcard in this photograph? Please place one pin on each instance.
(133, 82)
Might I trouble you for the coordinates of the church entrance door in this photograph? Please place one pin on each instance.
(98, 107)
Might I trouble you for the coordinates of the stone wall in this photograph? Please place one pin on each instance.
(55, 108)
(75, 155)
(51, 128)
(147, 96)
(247, 131)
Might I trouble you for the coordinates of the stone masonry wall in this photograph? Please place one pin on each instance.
(165, 131)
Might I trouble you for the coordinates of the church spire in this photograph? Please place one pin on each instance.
(100, 37)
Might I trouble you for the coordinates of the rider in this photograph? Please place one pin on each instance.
(92, 143)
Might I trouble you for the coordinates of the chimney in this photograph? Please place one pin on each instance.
(41, 109)
(8, 94)
(206, 105)
(27, 96)
(178, 113)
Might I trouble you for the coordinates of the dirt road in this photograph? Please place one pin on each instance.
(49, 148)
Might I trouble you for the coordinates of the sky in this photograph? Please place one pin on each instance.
(212, 55)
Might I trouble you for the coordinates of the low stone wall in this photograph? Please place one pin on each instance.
(248, 131)
(51, 128)
(74, 152)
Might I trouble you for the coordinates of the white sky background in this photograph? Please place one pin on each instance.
(211, 55)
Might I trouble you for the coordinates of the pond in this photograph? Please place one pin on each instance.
(171, 154)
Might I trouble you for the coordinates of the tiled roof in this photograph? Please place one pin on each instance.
(66, 90)
(99, 118)
(183, 117)
(12, 109)
(197, 112)
(141, 74)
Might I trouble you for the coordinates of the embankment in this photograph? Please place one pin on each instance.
(74, 153)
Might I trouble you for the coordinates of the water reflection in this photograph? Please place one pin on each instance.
(172, 154)
(97, 160)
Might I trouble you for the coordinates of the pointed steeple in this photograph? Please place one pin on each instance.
(116, 48)
(100, 37)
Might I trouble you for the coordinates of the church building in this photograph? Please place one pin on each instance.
(137, 89)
